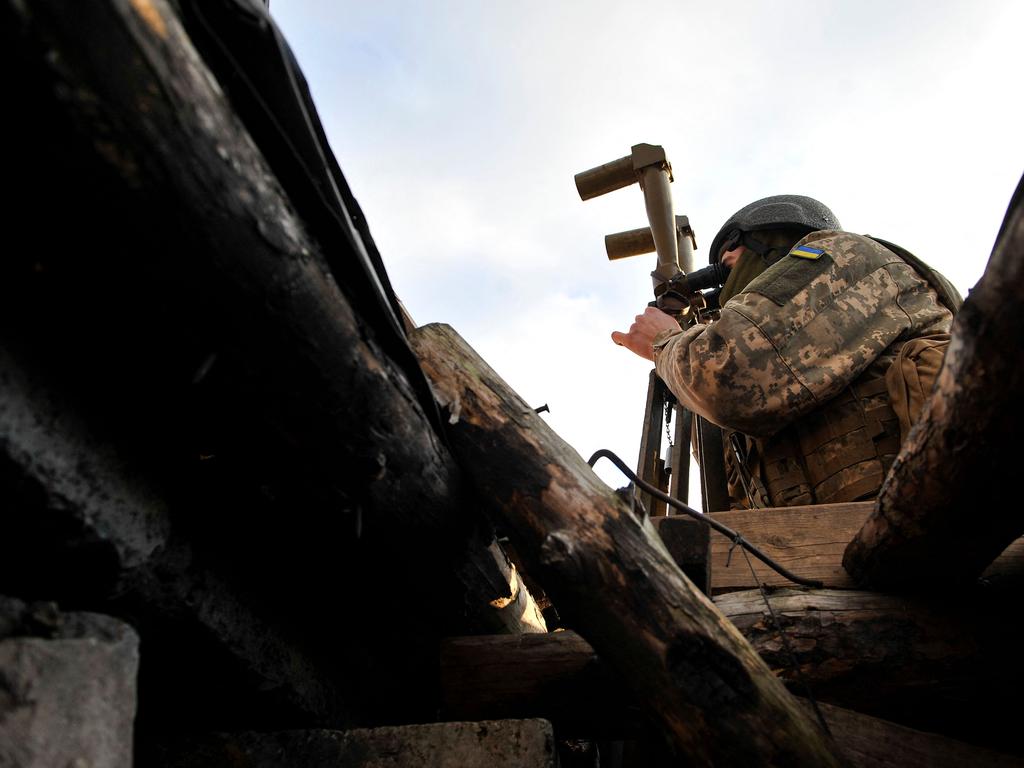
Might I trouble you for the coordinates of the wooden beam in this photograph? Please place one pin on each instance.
(611, 578)
(559, 677)
(942, 664)
(556, 676)
(949, 505)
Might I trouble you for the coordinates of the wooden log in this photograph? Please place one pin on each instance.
(130, 78)
(182, 313)
(945, 665)
(689, 543)
(869, 742)
(1007, 570)
(229, 266)
(505, 603)
(609, 576)
(949, 505)
(556, 676)
(559, 677)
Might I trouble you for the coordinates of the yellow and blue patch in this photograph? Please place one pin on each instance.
(806, 252)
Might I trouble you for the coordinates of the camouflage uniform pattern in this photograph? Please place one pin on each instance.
(799, 334)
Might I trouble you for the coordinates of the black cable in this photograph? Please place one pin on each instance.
(688, 510)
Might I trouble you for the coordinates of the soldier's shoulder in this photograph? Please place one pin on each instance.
(844, 246)
(821, 263)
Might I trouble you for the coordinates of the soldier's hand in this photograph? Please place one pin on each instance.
(640, 337)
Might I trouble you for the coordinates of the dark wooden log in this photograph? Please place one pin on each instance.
(226, 247)
(949, 505)
(610, 577)
(558, 676)
(946, 665)
(1007, 571)
(129, 77)
(689, 543)
(869, 742)
(164, 293)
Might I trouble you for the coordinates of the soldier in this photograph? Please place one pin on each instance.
(823, 355)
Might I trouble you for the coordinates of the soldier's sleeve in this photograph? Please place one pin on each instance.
(798, 334)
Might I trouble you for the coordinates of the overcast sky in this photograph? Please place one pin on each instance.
(460, 125)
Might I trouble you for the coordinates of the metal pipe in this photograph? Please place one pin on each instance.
(654, 180)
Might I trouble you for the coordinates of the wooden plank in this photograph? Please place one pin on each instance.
(808, 540)
(711, 449)
(648, 464)
(679, 476)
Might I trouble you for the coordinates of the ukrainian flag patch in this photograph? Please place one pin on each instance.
(806, 252)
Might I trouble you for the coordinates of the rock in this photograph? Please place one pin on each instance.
(67, 688)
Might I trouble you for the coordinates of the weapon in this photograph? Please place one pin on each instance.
(679, 291)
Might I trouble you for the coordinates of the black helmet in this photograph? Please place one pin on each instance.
(776, 212)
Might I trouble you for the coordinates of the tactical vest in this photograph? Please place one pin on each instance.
(843, 451)
(840, 452)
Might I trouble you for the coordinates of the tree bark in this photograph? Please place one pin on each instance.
(689, 668)
(949, 505)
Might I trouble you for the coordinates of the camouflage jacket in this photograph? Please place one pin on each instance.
(800, 333)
